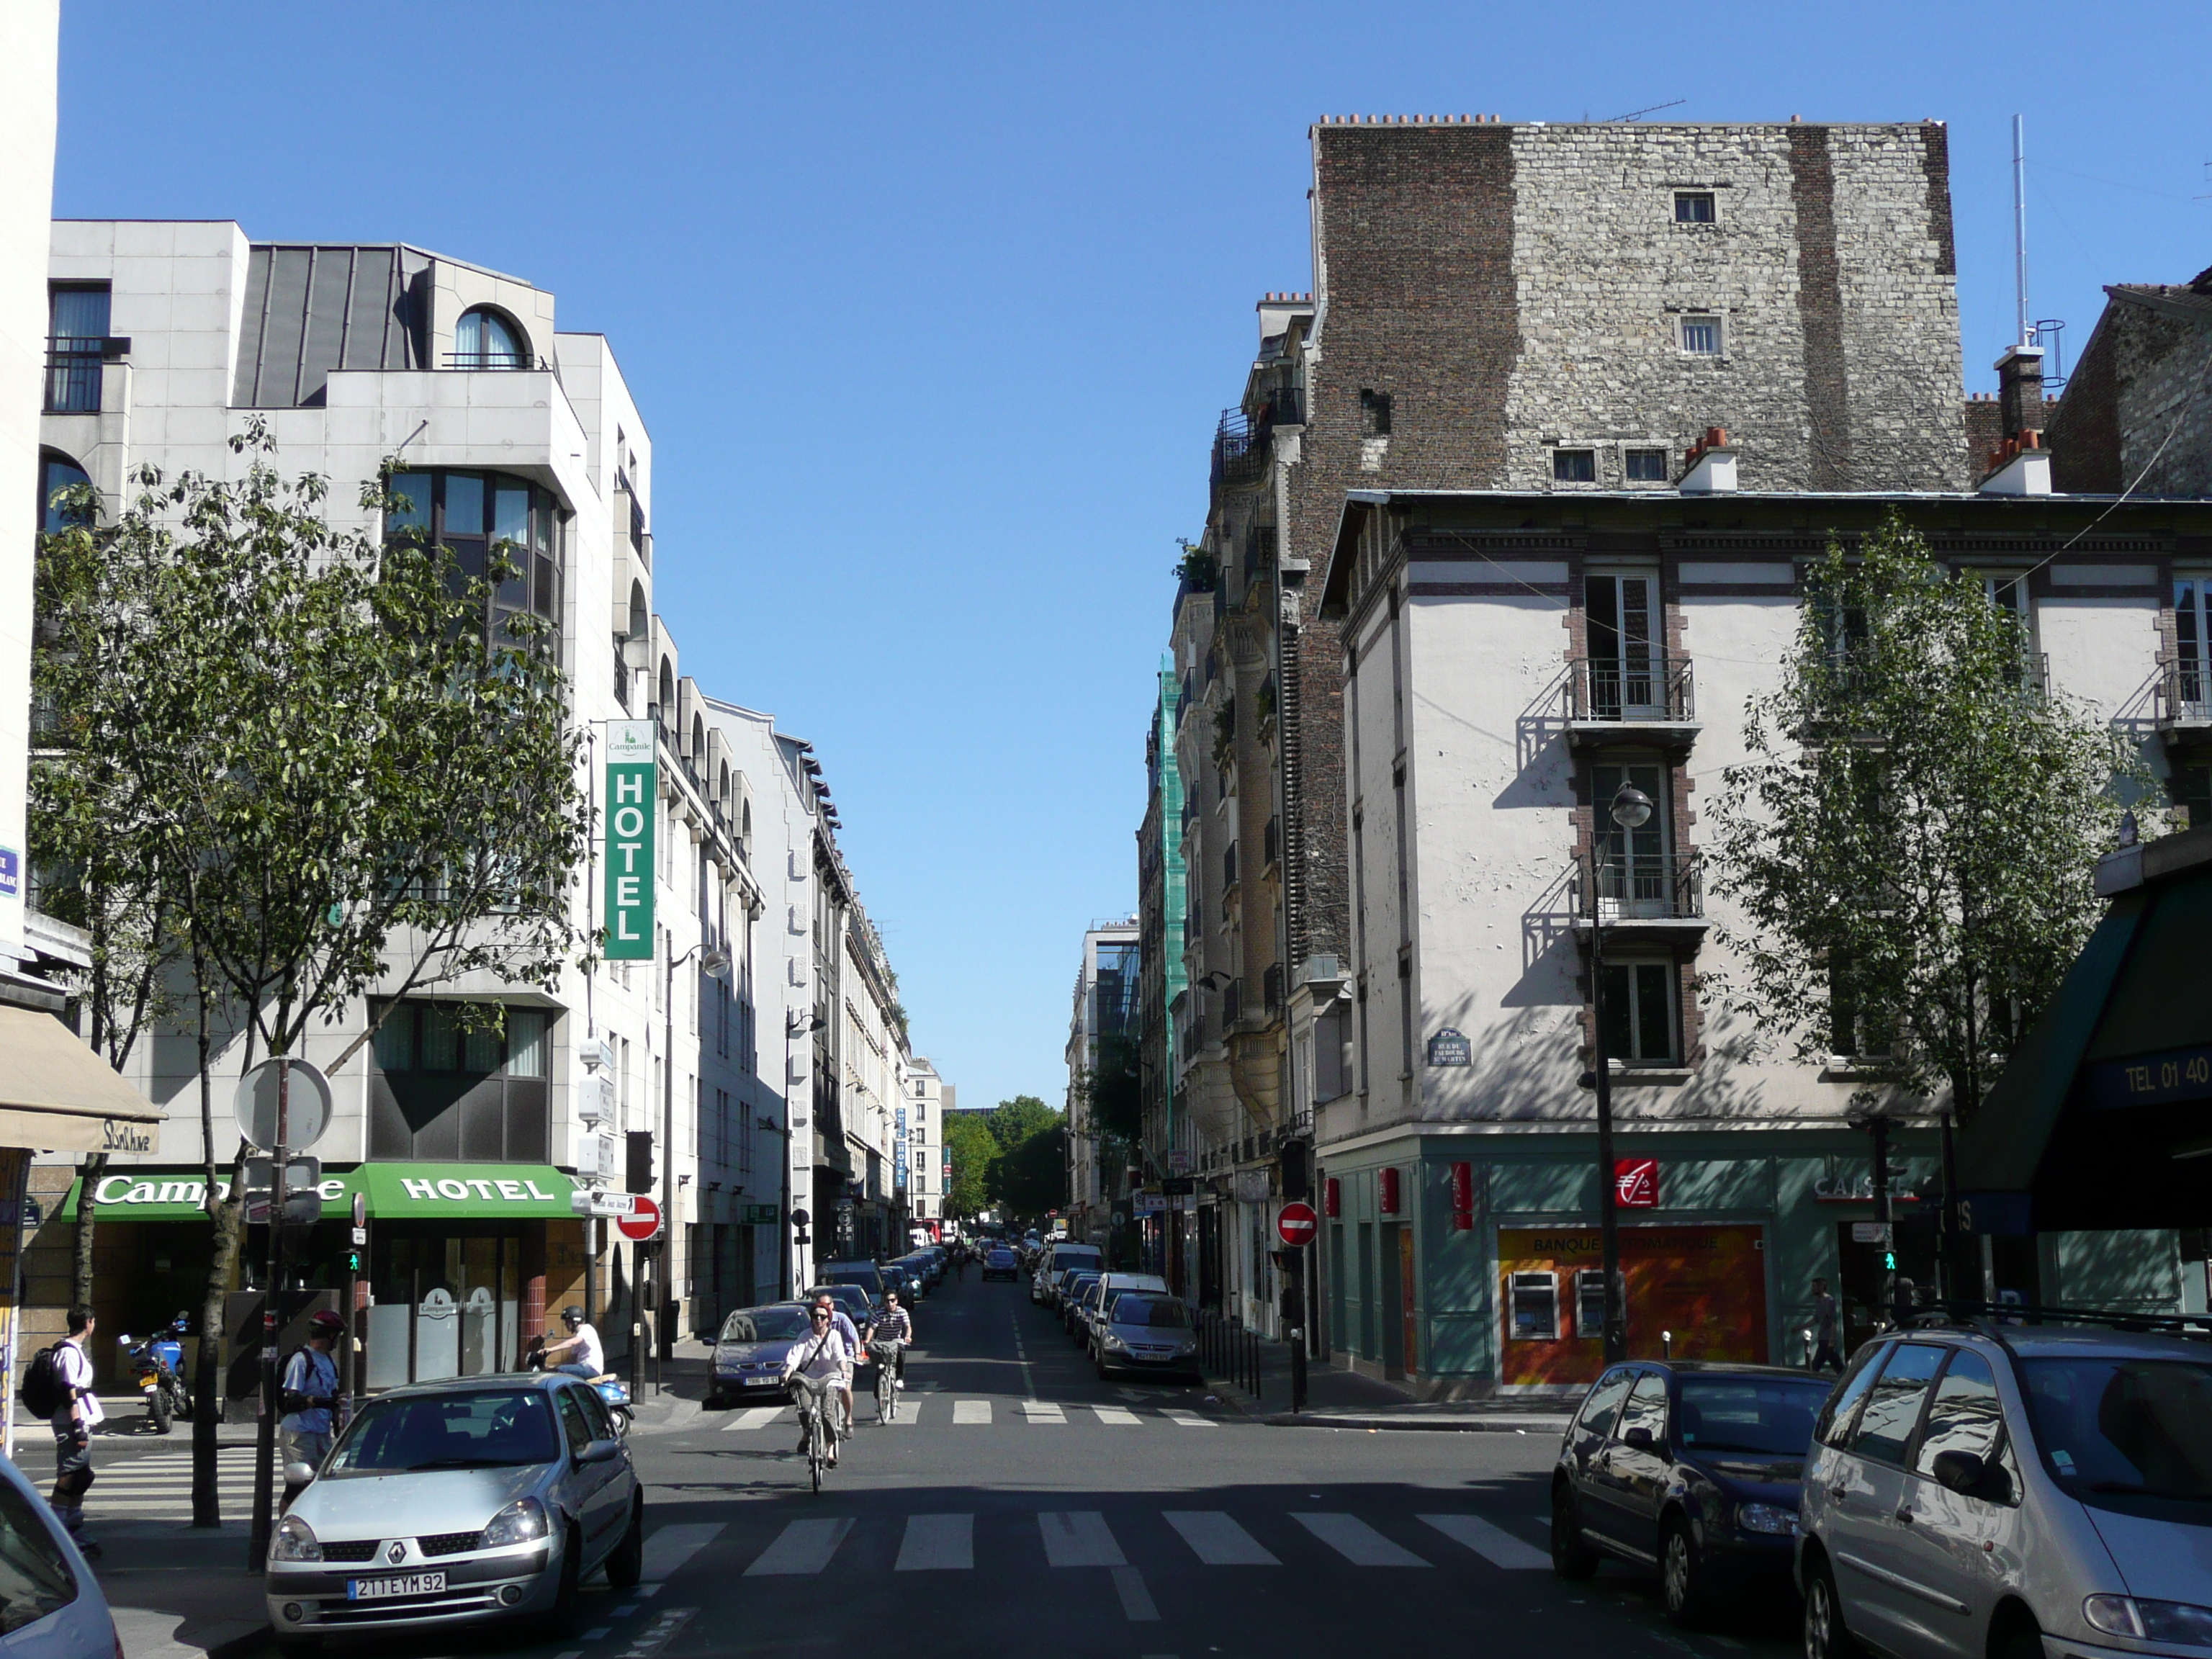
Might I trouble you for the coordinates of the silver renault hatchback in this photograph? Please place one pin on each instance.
(2012, 1492)
(450, 1502)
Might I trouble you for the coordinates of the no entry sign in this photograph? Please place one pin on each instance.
(643, 1221)
(1297, 1225)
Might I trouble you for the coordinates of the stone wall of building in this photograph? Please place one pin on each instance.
(2137, 412)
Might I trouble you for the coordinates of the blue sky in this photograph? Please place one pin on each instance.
(931, 309)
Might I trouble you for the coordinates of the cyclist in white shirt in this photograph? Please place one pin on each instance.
(822, 1355)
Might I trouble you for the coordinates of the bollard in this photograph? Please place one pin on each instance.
(1297, 1369)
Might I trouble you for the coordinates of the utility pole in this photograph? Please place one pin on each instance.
(2019, 221)
(265, 1447)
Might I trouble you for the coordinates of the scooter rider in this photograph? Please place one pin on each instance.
(587, 1356)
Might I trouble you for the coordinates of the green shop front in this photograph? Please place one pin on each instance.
(458, 1264)
(1464, 1260)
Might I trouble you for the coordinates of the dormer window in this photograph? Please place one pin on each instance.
(483, 339)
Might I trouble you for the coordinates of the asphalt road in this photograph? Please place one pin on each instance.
(1020, 1505)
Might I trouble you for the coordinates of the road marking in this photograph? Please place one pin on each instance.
(938, 1543)
(1117, 1416)
(753, 1417)
(1358, 1542)
(803, 1547)
(669, 1548)
(660, 1633)
(1493, 1544)
(1218, 1540)
(971, 1411)
(1186, 1420)
(1136, 1599)
(1078, 1538)
(1043, 1411)
(597, 1633)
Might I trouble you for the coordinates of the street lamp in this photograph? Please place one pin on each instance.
(715, 962)
(1631, 809)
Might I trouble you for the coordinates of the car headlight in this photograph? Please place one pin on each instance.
(1766, 1517)
(1108, 1339)
(1188, 1344)
(2150, 1621)
(295, 1541)
(518, 1524)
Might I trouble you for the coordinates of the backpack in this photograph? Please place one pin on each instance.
(41, 1390)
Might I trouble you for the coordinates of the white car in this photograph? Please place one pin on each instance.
(51, 1606)
(2012, 1492)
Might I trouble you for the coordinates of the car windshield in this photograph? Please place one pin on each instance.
(502, 1428)
(1079, 1283)
(764, 1325)
(34, 1577)
(2126, 1427)
(1164, 1310)
(1002, 1258)
(1768, 1416)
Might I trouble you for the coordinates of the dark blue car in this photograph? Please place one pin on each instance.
(1689, 1468)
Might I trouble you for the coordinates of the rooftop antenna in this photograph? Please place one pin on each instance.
(2019, 223)
(1651, 109)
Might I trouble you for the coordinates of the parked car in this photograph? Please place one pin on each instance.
(1067, 1298)
(1147, 1334)
(54, 1608)
(1095, 1298)
(896, 1278)
(1692, 1467)
(454, 1502)
(1057, 1259)
(1057, 1291)
(750, 1351)
(866, 1274)
(2012, 1491)
(999, 1262)
(851, 1298)
(921, 1273)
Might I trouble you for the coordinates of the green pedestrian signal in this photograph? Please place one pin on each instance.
(1889, 1261)
(353, 1261)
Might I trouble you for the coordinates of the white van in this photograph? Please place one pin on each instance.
(1059, 1256)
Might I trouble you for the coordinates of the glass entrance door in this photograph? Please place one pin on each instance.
(1634, 875)
(1627, 671)
(2192, 644)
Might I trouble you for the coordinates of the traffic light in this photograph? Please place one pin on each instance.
(353, 1261)
(1889, 1261)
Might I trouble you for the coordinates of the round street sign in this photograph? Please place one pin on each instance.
(307, 1106)
(643, 1221)
(1297, 1225)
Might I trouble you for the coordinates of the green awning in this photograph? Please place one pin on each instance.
(395, 1192)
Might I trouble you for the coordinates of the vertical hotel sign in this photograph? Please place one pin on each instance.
(633, 804)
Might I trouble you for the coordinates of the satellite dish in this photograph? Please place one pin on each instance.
(307, 1105)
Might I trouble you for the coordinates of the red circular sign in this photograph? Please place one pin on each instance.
(642, 1222)
(1297, 1223)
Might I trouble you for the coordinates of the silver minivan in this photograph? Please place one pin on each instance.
(1987, 1491)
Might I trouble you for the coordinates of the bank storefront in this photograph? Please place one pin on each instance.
(1466, 1262)
(460, 1264)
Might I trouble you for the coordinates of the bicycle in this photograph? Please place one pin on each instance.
(885, 1354)
(818, 1411)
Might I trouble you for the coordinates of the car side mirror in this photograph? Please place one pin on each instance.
(1969, 1476)
(1641, 1438)
(599, 1451)
(298, 1475)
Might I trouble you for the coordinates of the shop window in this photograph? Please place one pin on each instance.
(449, 1087)
(1534, 1307)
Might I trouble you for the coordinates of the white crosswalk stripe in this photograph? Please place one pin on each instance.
(671, 1546)
(1358, 1542)
(1117, 1416)
(755, 1417)
(1217, 1540)
(1493, 1544)
(938, 1543)
(803, 1547)
(158, 1487)
(971, 1411)
(1043, 1411)
(1078, 1538)
(1186, 1420)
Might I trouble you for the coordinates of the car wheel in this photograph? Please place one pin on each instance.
(1681, 1574)
(1826, 1636)
(1099, 1361)
(2023, 1642)
(627, 1564)
(1571, 1558)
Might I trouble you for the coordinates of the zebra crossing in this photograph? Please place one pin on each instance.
(981, 1414)
(157, 1486)
(941, 1542)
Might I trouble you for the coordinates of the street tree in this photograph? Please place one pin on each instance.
(1031, 1176)
(1013, 1121)
(360, 768)
(972, 1149)
(1908, 842)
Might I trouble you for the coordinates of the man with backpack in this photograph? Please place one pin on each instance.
(310, 1390)
(58, 1386)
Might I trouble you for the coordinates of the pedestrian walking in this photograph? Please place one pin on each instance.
(74, 1421)
(310, 1394)
(1827, 1329)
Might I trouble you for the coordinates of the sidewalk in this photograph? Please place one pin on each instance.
(178, 1593)
(1340, 1398)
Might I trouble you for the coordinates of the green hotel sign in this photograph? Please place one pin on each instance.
(633, 803)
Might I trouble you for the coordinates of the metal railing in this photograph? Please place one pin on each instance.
(495, 361)
(1656, 687)
(1228, 1351)
(1642, 887)
(2184, 690)
(1240, 450)
(73, 365)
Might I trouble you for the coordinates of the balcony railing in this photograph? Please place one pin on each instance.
(491, 360)
(1233, 1004)
(1655, 687)
(1240, 450)
(2184, 690)
(1642, 887)
(73, 365)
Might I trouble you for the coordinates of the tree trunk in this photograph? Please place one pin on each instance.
(89, 1174)
(207, 1370)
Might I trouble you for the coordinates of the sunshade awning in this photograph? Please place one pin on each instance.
(57, 1096)
(391, 1191)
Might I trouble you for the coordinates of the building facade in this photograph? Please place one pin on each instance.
(2137, 410)
(924, 1132)
(1163, 908)
(1102, 1022)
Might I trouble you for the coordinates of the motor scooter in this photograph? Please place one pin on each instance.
(610, 1388)
(159, 1365)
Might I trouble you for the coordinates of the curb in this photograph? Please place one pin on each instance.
(1536, 1426)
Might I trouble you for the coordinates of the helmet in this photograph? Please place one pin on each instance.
(324, 1320)
(572, 1314)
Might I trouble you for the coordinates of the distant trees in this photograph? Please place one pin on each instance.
(1014, 1156)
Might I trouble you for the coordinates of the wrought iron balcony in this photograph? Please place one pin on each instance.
(1642, 892)
(1240, 451)
(2185, 695)
(73, 365)
(1653, 699)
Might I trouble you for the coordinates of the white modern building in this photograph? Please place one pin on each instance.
(926, 1097)
(1105, 1007)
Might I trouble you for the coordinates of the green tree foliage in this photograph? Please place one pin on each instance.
(1032, 1176)
(326, 761)
(973, 1151)
(1909, 843)
(1013, 1121)
(1112, 1089)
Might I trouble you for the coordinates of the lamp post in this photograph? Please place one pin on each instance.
(1631, 809)
(715, 962)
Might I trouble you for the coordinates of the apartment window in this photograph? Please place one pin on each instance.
(1694, 207)
(1640, 1012)
(55, 474)
(483, 339)
(1853, 1030)
(76, 344)
(2192, 639)
(1634, 873)
(447, 1084)
(2191, 789)
(1644, 466)
(474, 514)
(1374, 413)
(1574, 465)
(1621, 616)
(1535, 1307)
(1700, 334)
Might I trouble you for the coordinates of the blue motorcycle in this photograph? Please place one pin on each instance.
(159, 1364)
